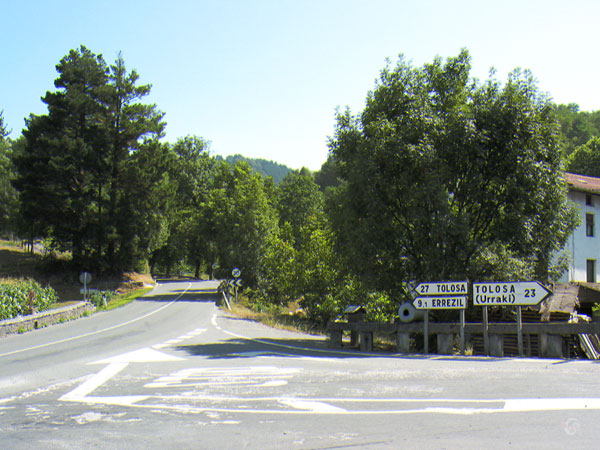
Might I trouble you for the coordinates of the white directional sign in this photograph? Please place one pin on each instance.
(442, 288)
(441, 302)
(509, 293)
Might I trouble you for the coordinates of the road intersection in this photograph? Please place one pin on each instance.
(173, 371)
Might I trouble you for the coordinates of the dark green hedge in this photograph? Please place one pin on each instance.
(14, 298)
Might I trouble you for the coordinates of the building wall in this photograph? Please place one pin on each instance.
(581, 246)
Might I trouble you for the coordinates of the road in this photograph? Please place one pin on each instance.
(173, 371)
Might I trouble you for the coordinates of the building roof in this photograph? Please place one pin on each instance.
(582, 183)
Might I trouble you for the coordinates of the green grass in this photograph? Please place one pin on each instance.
(124, 299)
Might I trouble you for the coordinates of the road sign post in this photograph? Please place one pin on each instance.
(426, 332)
(520, 330)
(517, 294)
(486, 331)
(462, 332)
(442, 295)
(85, 278)
(237, 273)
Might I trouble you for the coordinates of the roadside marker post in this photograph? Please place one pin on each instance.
(237, 273)
(85, 278)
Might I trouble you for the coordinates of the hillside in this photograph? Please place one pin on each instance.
(16, 263)
(262, 166)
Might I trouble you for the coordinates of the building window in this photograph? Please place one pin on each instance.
(591, 270)
(588, 200)
(589, 224)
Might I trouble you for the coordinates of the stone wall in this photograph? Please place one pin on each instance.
(42, 319)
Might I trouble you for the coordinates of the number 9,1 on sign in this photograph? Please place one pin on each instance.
(441, 302)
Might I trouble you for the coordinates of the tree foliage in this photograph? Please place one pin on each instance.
(585, 160)
(8, 194)
(299, 202)
(439, 170)
(262, 166)
(576, 127)
(189, 241)
(87, 159)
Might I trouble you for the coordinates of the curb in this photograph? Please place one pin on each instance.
(42, 319)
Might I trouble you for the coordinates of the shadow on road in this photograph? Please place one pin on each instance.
(206, 293)
(189, 296)
(292, 348)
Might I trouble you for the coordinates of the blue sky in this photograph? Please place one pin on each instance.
(263, 78)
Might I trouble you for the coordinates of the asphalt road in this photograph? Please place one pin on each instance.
(172, 371)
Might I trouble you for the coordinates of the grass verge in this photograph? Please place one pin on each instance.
(276, 317)
(123, 299)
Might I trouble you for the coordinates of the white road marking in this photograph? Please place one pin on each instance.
(259, 376)
(159, 346)
(309, 405)
(213, 321)
(139, 356)
(80, 392)
(550, 404)
(115, 365)
(92, 333)
(180, 339)
(317, 407)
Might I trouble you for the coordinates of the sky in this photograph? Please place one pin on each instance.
(263, 78)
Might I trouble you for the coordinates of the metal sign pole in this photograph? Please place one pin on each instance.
(486, 337)
(462, 332)
(520, 330)
(426, 331)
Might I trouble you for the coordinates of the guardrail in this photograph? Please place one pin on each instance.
(550, 334)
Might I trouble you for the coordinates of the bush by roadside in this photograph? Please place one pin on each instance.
(23, 297)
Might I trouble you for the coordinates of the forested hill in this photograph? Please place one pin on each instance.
(262, 166)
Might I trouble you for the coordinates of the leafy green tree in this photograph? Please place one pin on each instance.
(585, 160)
(3, 130)
(262, 166)
(576, 127)
(277, 282)
(241, 219)
(8, 194)
(77, 160)
(148, 203)
(58, 170)
(191, 237)
(327, 176)
(131, 125)
(439, 169)
(299, 200)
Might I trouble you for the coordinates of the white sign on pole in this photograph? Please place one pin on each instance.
(442, 288)
(236, 273)
(509, 293)
(445, 302)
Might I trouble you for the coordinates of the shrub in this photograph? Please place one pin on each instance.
(15, 298)
(100, 297)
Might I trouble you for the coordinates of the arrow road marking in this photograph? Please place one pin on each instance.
(80, 392)
(115, 365)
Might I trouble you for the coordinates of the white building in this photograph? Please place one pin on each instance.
(584, 244)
